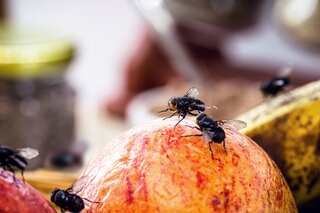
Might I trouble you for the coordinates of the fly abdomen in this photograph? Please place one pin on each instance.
(197, 108)
(76, 203)
(18, 162)
(274, 86)
(60, 198)
(218, 135)
(198, 102)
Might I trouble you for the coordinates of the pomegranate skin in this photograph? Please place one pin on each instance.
(20, 197)
(150, 168)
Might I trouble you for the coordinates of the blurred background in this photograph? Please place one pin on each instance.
(106, 34)
(127, 58)
(75, 74)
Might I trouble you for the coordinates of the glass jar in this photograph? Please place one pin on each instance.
(36, 102)
(228, 14)
(208, 23)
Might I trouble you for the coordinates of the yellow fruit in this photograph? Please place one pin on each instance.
(288, 129)
(151, 169)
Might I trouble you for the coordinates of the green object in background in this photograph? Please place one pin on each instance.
(37, 104)
(32, 54)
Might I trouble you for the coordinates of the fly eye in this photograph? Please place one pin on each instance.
(172, 104)
(173, 101)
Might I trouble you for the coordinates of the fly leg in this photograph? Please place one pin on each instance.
(211, 153)
(70, 190)
(24, 181)
(13, 175)
(194, 127)
(163, 110)
(170, 116)
(90, 200)
(183, 117)
(224, 146)
(196, 135)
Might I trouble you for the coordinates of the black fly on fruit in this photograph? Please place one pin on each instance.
(278, 83)
(212, 130)
(187, 104)
(68, 200)
(16, 160)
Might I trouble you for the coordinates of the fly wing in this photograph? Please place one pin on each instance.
(192, 93)
(286, 71)
(28, 152)
(207, 136)
(232, 124)
(210, 107)
(78, 185)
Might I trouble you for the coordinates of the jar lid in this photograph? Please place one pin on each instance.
(25, 53)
